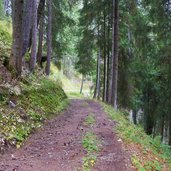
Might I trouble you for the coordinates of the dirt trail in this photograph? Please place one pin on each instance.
(57, 146)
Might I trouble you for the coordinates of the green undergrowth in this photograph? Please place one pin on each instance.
(91, 144)
(150, 153)
(5, 39)
(40, 99)
(90, 120)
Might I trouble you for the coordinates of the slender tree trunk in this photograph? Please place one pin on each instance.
(115, 53)
(49, 37)
(108, 61)
(154, 129)
(40, 11)
(148, 115)
(27, 24)
(34, 37)
(162, 128)
(111, 61)
(105, 80)
(134, 112)
(105, 62)
(170, 130)
(169, 116)
(97, 88)
(41, 31)
(16, 57)
(82, 84)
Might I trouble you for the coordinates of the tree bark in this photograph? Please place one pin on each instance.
(115, 53)
(162, 127)
(17, 18)
(134, 115)
(82, 84)
(109, 59)
(27, 24)
(105, 61)
(40, 11)
(41, 31)
(170, 130)
(34, 38)
(49, 37)
(97, 88)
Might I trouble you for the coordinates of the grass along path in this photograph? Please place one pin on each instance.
(90, 143)
(147, 154)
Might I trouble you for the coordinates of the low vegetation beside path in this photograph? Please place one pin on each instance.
(24, 109)
(148, 154)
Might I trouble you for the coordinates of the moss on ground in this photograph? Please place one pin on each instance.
(39, 100)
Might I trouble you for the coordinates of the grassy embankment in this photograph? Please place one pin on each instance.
(39, 99)
(147, 154)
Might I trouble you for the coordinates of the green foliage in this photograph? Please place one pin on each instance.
(5, 39)
(86, 63)
(135, 134)
(40, 99)
(90, 142)
(47, 95)
(1, 10)
(148, 166)
(89, 162)
(63, 29)
(90, 120)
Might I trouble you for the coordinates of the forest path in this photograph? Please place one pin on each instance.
(58, 145)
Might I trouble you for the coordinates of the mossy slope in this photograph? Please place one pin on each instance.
(21, 114)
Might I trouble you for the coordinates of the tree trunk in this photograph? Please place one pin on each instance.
(16, 57)
(27, 24)
(82, 84)
(34, 38)
(170, 130)
(162, 128)
(109, 60)
(148, 117)
(105, 61)
(40, 11)
(41, 31)
(134, 115)
(115, 53)
(97, 88)
(49, 37)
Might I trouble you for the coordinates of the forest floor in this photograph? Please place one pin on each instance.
(81, 138)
